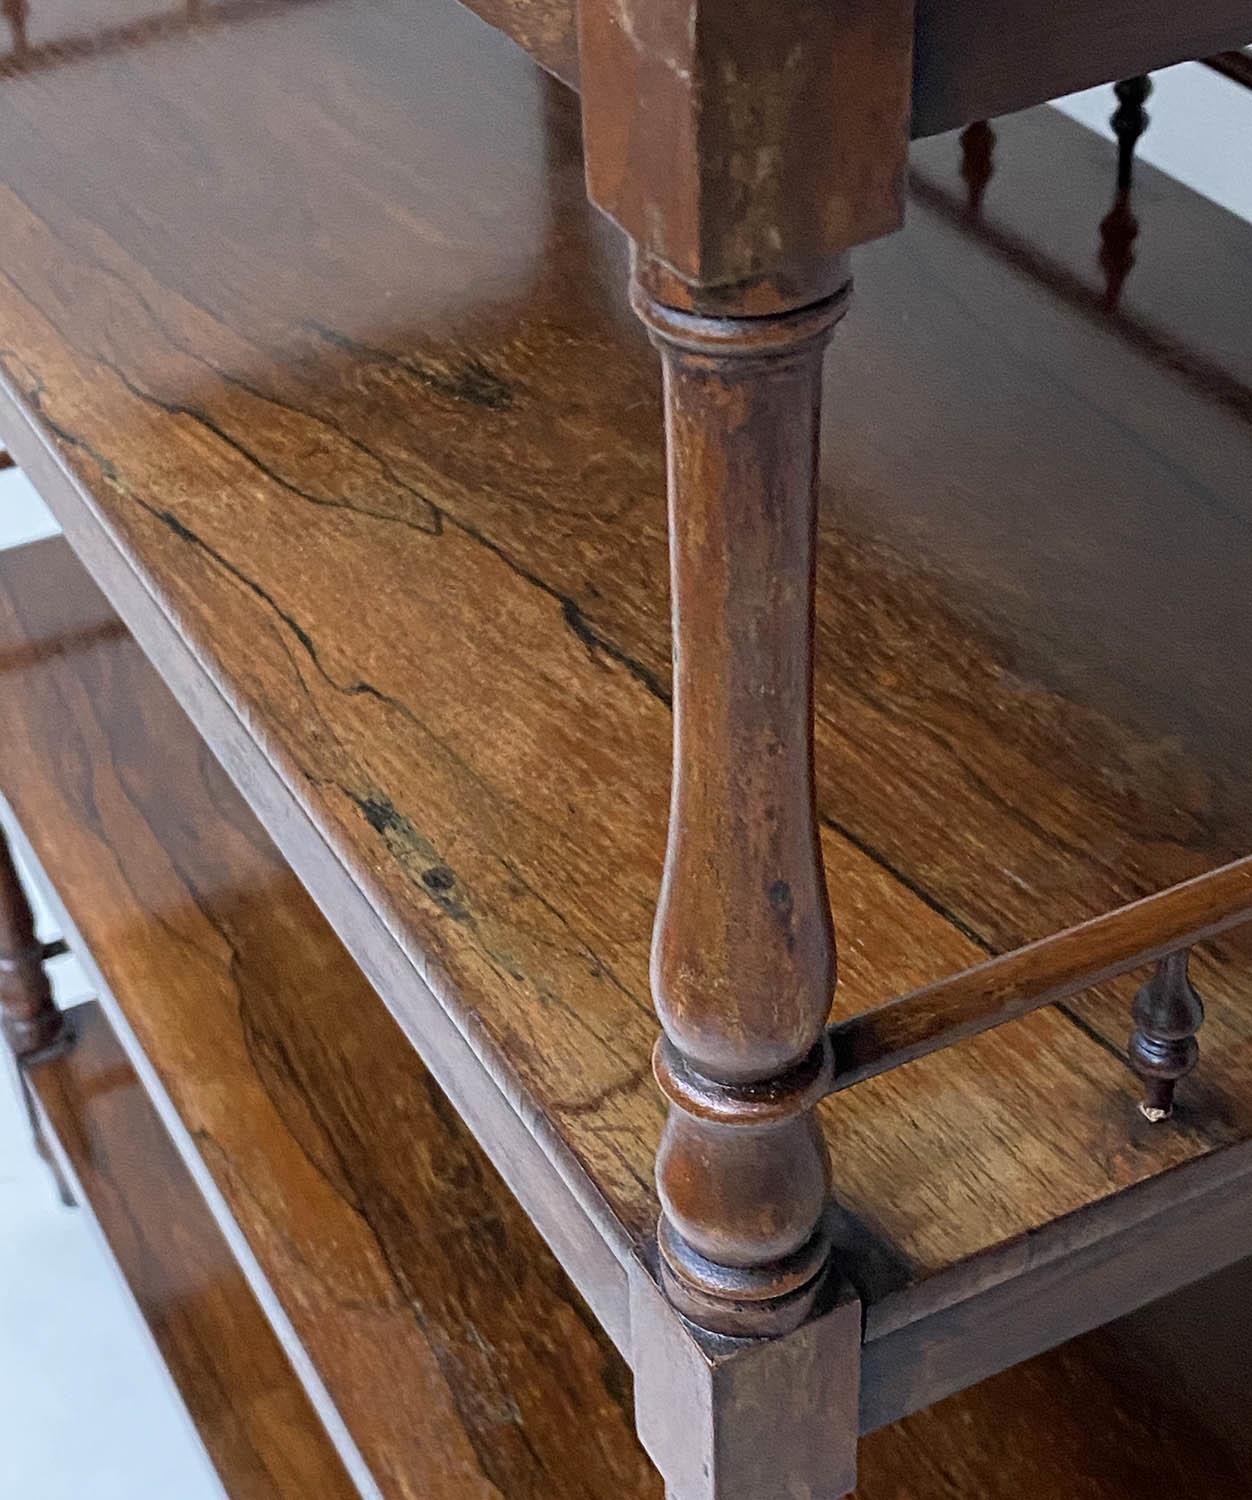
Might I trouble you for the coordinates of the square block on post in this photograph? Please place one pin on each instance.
(743, 1419)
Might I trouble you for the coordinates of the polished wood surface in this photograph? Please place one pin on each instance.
(376, 436)
(362, 1197)
(440, 1330)
(978, 58)
(1042, 973)
(255, 1420)
(970, 60)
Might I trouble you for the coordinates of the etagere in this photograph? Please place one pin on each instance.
(334, 381)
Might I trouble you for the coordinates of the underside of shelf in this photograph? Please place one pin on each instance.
(363, 444)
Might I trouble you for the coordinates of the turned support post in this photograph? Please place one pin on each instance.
(743, 959)
(28, 1016)
(744, 150)
(1167, 1013)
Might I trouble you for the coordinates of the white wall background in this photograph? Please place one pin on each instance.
(86, 1409)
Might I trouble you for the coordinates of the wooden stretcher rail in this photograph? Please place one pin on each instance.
(1041, 973)
(1236, 65)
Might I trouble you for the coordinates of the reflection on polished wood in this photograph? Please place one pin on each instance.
(61, 33)
(362, 1197)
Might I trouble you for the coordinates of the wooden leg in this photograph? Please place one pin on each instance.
(38, 1135)
(28, 1017)
(743, 962)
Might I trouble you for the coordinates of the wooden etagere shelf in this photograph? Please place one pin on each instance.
(292, 1200)
(369, 466)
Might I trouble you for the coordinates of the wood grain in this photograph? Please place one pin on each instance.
(747, 150)
(401, 1261)
(1042, 973)
(312, 432)
(256, 1422)
(366, 1238)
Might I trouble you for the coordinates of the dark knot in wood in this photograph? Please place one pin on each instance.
(1167, 1013)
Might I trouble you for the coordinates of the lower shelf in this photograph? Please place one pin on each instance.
(241, 1093)
(1148, 1405)
(256, 1422)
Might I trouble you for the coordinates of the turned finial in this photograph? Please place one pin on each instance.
(1129, 120)
(1167, 1013)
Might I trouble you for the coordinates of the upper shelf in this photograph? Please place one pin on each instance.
(968, 62)
(314, 347)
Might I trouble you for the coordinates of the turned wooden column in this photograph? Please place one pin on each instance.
(29, 1018)
(743, 959)
(744, 150)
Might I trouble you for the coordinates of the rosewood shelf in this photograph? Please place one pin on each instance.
(363, 443)
(290, 1198)
(345, 1194)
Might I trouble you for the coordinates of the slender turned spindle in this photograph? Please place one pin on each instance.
(743, 958)
(1167, 1013)
(978, 143)
(28, 1016)
(1129, 120)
